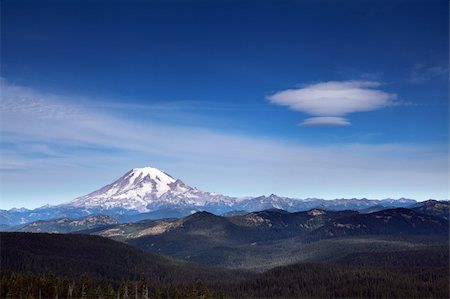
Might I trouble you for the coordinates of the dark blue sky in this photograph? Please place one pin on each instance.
(214, 65)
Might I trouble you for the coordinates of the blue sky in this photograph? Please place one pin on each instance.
(299, 98)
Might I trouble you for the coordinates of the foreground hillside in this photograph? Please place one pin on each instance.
(71, 255)
(55, 265)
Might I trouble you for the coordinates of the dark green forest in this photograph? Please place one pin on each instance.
(83, 266)
(294, 281)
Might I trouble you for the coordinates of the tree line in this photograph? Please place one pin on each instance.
(49, 286)
(293, 281)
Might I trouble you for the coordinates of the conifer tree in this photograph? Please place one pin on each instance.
(125, 292)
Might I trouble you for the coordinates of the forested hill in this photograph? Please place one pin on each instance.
(71, 255)
(56, 265)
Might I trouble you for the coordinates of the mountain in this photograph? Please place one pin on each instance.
(274, 224)
(295, 205)
(147, 189)
(264, 226)
(66, 225)
(149, 193)
(433, 208)
(141, 193)
(398, 221)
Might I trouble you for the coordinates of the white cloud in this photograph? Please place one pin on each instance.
(325, 121)
(334, 99)
(66, 154)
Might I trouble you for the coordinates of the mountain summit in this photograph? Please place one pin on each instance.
(144, 189)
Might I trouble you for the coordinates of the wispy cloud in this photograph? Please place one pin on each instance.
(422, 73)
(329, 101)
(73, 150)
(25, 101)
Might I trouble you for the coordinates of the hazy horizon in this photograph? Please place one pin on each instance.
(241, 196)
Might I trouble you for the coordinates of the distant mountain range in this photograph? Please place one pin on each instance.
(149, 193)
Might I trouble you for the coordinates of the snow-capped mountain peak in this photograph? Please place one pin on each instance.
(146, 177)
(153, 173)
(143, 189)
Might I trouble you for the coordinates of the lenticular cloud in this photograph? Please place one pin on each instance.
(328, 102)
(325, 121)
